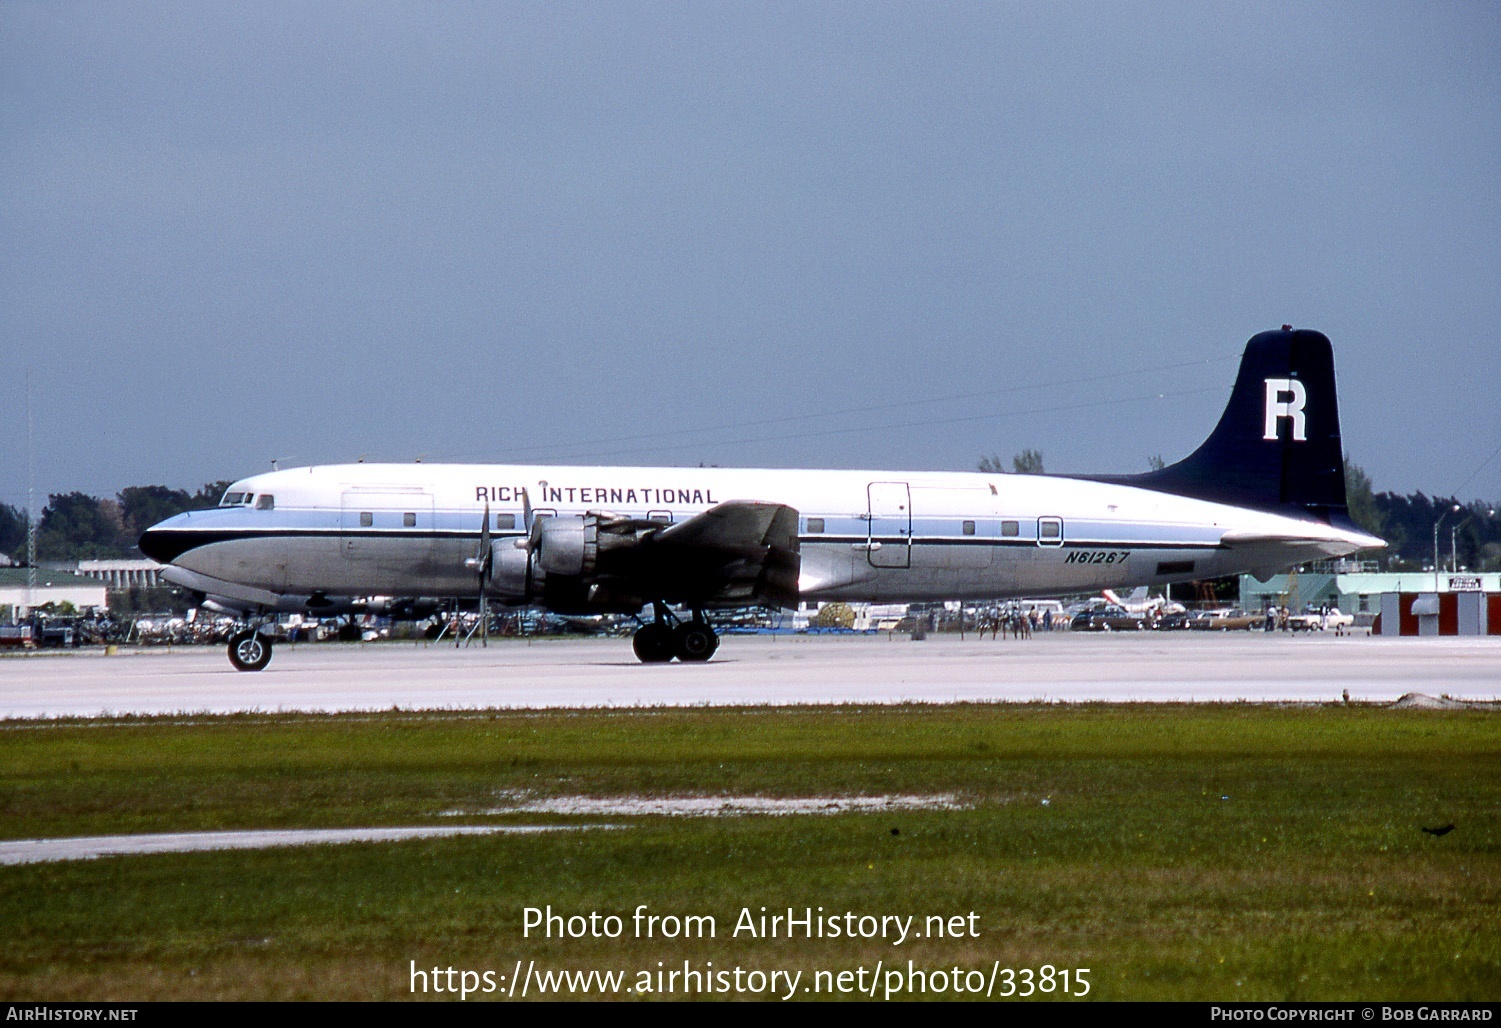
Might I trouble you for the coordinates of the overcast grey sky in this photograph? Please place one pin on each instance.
(891, 235)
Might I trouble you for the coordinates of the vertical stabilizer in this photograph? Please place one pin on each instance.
(1277, 445)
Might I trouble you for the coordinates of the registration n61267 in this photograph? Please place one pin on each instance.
(1096, 556)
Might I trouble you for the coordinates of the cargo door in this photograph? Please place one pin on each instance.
(889, 522)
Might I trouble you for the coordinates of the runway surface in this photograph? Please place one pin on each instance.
(756, 670)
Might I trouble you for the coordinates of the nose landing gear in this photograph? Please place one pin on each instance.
(689, 641)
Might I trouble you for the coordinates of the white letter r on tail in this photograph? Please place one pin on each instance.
(1292, 408)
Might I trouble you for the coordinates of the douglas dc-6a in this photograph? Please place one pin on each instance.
(1264, 491)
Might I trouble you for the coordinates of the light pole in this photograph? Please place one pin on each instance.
(1454, 539)
(1440, 521)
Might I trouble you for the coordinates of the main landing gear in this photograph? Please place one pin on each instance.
(667, 637)
(249, 650)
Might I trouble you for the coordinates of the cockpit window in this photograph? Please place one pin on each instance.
(265, 502)
(232, 499)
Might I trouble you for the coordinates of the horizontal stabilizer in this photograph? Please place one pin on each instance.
(1258, 538)
(1318, 535)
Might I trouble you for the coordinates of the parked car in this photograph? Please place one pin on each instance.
(16, 635)
(1330, 620)
(1108, 619)
(1226, 619)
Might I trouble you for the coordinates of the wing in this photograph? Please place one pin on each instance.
(743, 551)
(732, 555)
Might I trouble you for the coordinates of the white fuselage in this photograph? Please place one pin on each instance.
(877, 536)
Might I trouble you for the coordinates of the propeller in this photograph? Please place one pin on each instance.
(533, 534)
(480, 564)
(532, 525)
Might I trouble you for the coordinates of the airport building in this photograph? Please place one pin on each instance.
(1354, 586)
(51, 587)
(123, 574)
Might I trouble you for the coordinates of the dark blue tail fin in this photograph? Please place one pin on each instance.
(1277, 445)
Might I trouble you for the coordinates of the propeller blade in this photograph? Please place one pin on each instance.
(485, 555)
(533, 525)
(480, 562)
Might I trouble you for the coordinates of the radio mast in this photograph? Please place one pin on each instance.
(30, 500)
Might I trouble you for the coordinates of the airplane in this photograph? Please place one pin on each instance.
(1264, 491)
(1138, 602)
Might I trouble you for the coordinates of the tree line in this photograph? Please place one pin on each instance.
(77, 526)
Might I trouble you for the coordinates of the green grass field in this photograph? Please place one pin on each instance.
(1183, 852)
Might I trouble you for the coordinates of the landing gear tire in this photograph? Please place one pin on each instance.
(694, 641)
(249, 651)
(653, 643)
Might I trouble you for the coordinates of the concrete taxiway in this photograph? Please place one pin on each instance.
(757, 670)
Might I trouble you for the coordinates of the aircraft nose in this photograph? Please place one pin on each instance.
(154, 544)
(167, 540)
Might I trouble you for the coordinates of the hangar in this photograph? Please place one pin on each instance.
(51, 587)
(1354, 586)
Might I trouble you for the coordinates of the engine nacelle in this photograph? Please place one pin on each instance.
(568, 545)
(510, 571)
(572, 563)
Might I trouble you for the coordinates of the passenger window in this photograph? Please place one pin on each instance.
(505, 522)
(409, 520)
(265, 502)
(1010, 528)
(969, 528)
(1050, 531)
(366, 519)
(815, 525)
